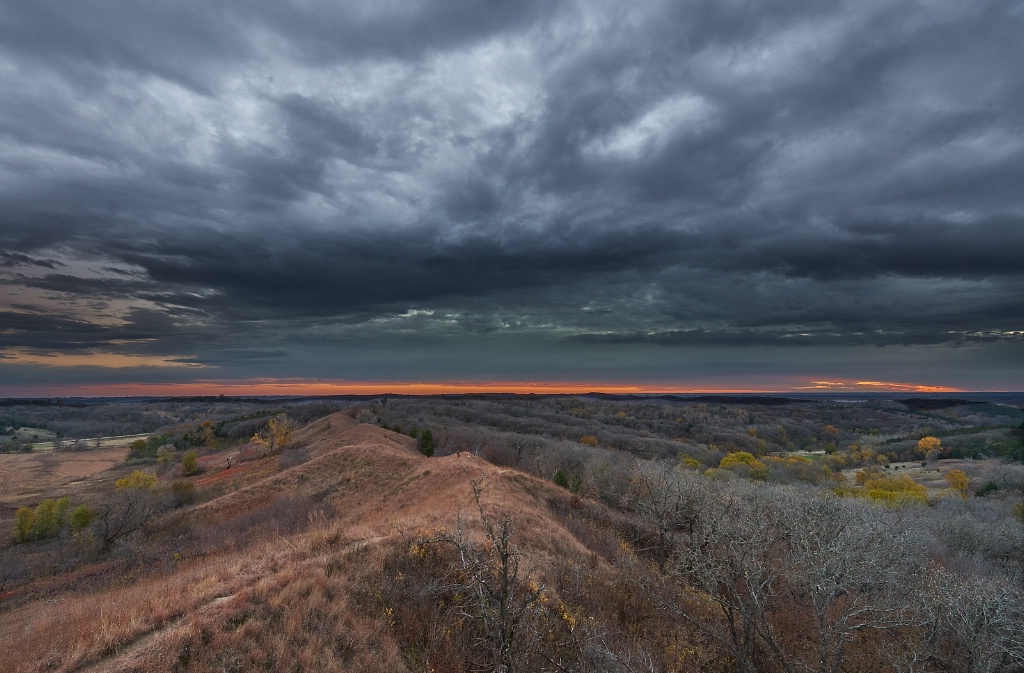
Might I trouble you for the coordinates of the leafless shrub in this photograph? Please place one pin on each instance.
(366, 415)
(293, 456)
(505, 599)
(12, 568)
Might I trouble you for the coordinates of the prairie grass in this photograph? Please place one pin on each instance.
(78, 629)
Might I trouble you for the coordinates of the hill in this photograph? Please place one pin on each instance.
(291, 568)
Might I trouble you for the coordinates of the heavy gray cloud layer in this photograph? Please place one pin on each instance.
(593, 190)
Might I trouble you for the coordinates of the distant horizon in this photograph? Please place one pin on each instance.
(339, 389)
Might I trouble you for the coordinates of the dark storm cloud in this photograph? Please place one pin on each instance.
(42, 332)
(242, 181)
(805, 338)
(983, 248)
(12, 259)
(80, 287)
(187, 43)
(332, 32)
(372, 270)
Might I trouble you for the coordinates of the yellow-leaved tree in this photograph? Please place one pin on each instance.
(958, 481)
(926, 445)
(896, 491)
(24, 523)
(277, 434)
(190, 463)
(745, 463)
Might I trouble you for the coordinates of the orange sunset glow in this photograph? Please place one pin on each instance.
(875, 386)
(304, 388)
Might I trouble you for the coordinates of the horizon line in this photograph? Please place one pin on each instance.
(314, 388)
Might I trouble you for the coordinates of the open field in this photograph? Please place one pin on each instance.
(36, 436)
(932, 474)
(28, 477)
(116, 442)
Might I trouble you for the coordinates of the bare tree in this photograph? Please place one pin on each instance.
(972, 623)
(505, 598)
(731, 558)
(736, 557)
(848, 564)
(11, 567)
(762, 553)
(669, 499)
(133, 504)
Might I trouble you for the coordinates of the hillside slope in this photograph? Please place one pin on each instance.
(318, 594)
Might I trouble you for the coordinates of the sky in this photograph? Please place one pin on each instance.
(362, 196)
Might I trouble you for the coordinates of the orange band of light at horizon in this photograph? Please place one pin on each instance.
(285, 387)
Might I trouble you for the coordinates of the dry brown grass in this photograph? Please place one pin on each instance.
(66, 633)
(297, 618)
(362, 494)
(29, 477)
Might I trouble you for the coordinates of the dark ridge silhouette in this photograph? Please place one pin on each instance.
(933, 403)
